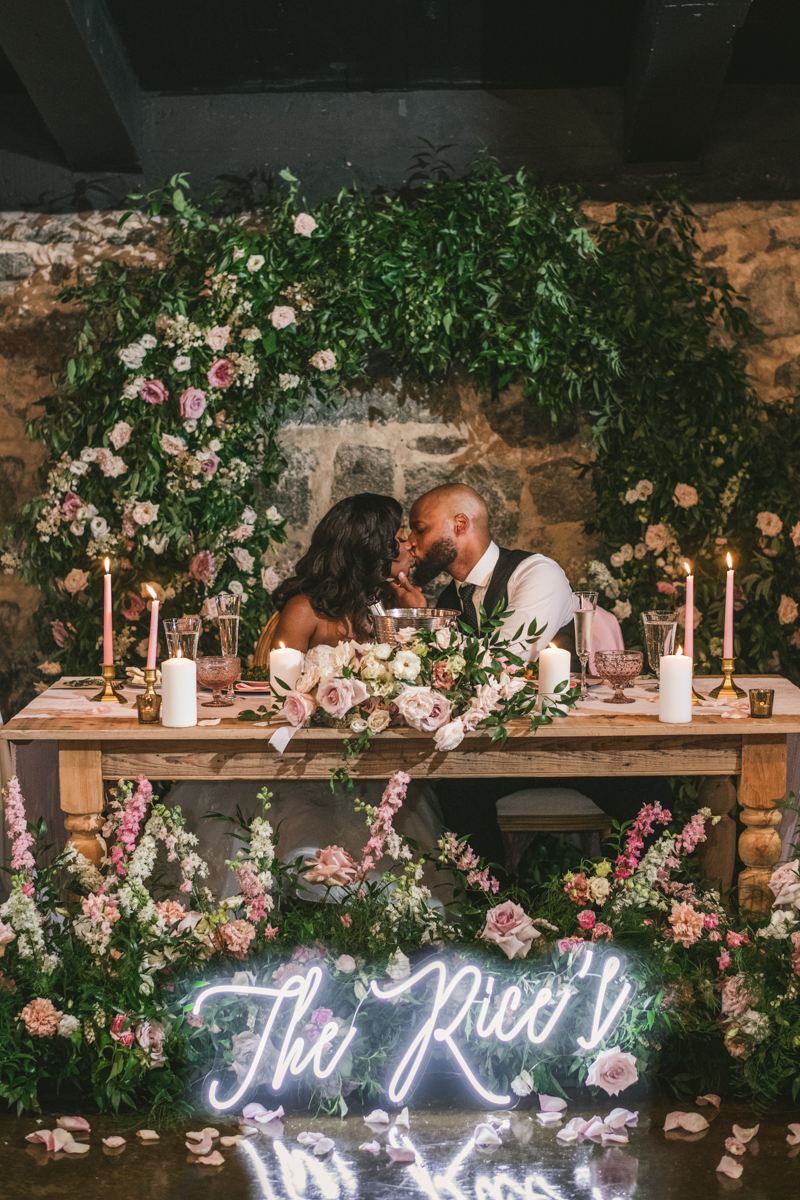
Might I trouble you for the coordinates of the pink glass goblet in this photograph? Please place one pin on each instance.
(217, 672)
(619, 668)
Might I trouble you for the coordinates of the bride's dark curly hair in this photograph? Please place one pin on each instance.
(350, 556)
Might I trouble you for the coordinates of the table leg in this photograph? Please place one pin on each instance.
(763, 781)
(82, 800)
(718, 852)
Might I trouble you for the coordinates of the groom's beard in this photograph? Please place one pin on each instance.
(438, 559)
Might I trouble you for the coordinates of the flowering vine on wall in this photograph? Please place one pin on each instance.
(166, 418)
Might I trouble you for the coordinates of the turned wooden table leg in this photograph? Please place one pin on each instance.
(763, 781)
(81, 783)
(718, 852)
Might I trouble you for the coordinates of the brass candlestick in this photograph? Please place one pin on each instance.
(728, 689)
(696, 697)
(149, 705)
(108, 695)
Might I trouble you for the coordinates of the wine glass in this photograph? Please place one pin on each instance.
(584, 606)
(659, 637)
(618, 667)
(182, 635)
(218, 671)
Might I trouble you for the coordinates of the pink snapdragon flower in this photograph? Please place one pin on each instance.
(649, 816)
(16, 821)
(257, 902)
(381, 827)
(464, 859)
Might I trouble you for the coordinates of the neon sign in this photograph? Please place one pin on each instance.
(468, 986)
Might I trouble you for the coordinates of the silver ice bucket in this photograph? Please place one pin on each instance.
(388, 625)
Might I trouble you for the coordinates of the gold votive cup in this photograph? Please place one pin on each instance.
(761, 700)
(149, 705)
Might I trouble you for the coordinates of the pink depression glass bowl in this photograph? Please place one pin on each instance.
(217, 672)
(618, 667)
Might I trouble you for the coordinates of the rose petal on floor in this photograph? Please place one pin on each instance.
(45, 1136)
(745, 1135)
(730, 1167)
(247, 1130)
(400, 1154)
(60, 1139)
(147, 1135)
(232, 1140)
(620, 1117)
(377, 1117)
(484, 1135)
(551, 1117)
(371, 1147)
(306, 1138)
(214, 1159)
(195, 1135)
(323, 1147)
(74, 1147)
(594, 1128)
(74, 1124)
(793, 1136)
(551, 1103)
(709, 1099)
(572, 1130)
(212, 1131)
(691, 1122)
(735, 1147)
(201, 1148)
(403, 1121)
(614, 1139)
(114, 1141)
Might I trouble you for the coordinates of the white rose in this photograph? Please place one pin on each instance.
(398, 967)
(120, 435)
(405, 665)
(112, 466)
(76, 581)
(631, 496)
(282, 316)
(172, 445)
(639, 550)
(305, 224)
(272, 514)
(346, 964)
(288, 381)
(249, 516)
(255, 262)
(237, 589)
(449, 736)
(323, 360)
(190, 424)
(218, 337)
(251, 335)
(358, 725)
(79, 468)
(182, 362)
(67, 1026)
(443, 637)
(78, 528)
(622, 609)
(243, 559)
(99, 527)
(132, 356)
(616, 560)
(269, 579)
(378, 720)
(382, 651)
(145, 513)
(626, 552)
(148, 342)
(88, 454)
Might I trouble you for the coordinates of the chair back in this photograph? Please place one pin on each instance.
(261, 656)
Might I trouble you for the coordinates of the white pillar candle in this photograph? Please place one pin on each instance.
(554, 667)
(285, 668)
(675, 689)
(178, 692)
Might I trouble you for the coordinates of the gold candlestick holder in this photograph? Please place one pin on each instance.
(149, 705)
(728, 689)
(108, 695)
(697, 698)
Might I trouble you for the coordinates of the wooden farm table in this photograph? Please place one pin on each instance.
(96, 749)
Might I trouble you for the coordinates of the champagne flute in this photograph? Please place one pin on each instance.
(659, 637)
(584, 606)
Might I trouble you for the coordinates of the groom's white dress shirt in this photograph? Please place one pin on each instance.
(537, 590)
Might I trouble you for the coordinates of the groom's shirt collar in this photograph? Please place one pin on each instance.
(481, 573)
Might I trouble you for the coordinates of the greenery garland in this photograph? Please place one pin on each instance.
(166, 417)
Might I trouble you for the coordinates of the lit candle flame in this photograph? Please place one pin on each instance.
(730, 562)
(179, 654)
(281, 645)
(107, 565)
(552, 646)
(150, 590)
(679, 651)
(688, 568)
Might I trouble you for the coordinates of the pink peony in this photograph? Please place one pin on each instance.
(193, 403)
(509, 927)
(333, 866)
(282, 316)
(337, 696)
(298, 707)
(687, 923)
(423, 709)
(40, 1017)
(136, 606)
(153, 392)
(70, 505)
(203, 566)
(587, 919)
(236, 937)
(613, 1070)
(170, 911)
(122, 1035)
(222, 373)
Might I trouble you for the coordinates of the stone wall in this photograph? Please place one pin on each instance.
(390, 438)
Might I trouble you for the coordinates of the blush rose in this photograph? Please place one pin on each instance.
(153, 392)
(333, 866)
(337, 696)
(509, 927)
(298, 707)
(222, 373)
(613, 1070)
(423, 709)
(193, 403)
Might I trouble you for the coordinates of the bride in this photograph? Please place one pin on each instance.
(356, 553)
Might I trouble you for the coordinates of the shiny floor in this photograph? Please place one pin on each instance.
(530, 1164)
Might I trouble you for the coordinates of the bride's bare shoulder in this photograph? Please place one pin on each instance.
(297, 624)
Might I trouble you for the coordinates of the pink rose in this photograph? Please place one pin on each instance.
(423, 709)
(281, 317)
(509, 927)
(482, 705)
(321, 1016)
(221, 373)
(304, 224)
(218, 337)
(298, 707)
(338, 696)
(587, 919)
(203, 566)
(136, 607)
(60, 633)
(735, 997)
(449, 736)
(323, 360)
(567, 944)
(613, 1070)
(150, 1036)
(123, 1036)
(684, 495)
(153, 392)
(666, 589)
(785, 884)
(333, 866)
(210, 463)
(70, 505)
(193, 403)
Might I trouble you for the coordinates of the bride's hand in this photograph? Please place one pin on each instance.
(406, 594)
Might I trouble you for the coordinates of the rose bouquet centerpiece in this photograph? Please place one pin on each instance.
(445, 682)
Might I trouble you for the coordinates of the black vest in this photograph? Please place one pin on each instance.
(497, 590)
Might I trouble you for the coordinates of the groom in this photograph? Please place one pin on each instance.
(449, 531)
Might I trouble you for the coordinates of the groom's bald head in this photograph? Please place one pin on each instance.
(449, 531)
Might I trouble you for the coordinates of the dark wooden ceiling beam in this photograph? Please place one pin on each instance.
(680, 58)
(76, 71)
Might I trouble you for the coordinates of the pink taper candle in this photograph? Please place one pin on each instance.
(108, 637)
(152, 645)
(688, 633)
(727, 641)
